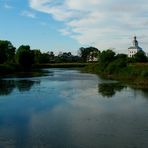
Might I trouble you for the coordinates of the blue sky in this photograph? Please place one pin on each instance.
(66, 25)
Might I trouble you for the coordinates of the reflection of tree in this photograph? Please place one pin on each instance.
(142, 91)
(24, 85)
(6, 87)
(109, 89)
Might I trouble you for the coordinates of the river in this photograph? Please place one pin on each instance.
(70, 109)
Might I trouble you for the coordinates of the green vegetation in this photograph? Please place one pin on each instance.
(24, 59)
(61, 65)
(106, 63)
(88, 54)
(119, 67)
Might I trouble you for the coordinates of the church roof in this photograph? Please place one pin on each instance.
(134, 47)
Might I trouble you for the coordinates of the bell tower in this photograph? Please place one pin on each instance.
(135, 42)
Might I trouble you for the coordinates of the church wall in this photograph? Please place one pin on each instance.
(132, 52)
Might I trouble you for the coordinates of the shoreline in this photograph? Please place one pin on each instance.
(132, 79)
(7, 70)
(131, 75)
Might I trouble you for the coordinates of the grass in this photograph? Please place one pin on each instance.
(16, 70)
(61, 65)
(136, 75)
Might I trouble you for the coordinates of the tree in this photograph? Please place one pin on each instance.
(52, 56)
(140, 56)
(45, 58)
(106, 57)
(37, 56)
(7, 52)
(88, 53)
(25, 57)
(65, 57)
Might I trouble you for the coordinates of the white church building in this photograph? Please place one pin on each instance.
(134, 49)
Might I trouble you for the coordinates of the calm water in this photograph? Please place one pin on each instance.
(69, 109)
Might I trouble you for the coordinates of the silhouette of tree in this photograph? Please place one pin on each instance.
(140, 56)
(7, 52)
(25, 57)
(88, 54)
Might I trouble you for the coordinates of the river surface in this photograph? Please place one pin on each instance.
(70, 109)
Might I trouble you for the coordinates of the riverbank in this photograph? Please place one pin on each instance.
(61, 65)
(135, 75)
(7, 70)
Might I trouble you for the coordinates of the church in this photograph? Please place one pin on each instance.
(134, 49)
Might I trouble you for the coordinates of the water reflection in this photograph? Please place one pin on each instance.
(65, 111)
(24, 85)
(142, 91)
(7, 86)
(109, 89)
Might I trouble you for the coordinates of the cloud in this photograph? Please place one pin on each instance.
(28, 14)
(43, 24)
(101, 22)
(7, 6)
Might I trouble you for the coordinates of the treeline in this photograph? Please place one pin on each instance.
(121, 67)
(111, 63)
(107, 62)
(24, 57)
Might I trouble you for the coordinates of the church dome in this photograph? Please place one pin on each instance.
(135, 42)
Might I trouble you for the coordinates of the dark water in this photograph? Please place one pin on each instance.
(69, 109)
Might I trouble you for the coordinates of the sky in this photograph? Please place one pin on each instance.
(67, 25)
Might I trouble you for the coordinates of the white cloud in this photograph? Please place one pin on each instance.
(7, 6)
(44, 24)
(28, 14)
(102, 23)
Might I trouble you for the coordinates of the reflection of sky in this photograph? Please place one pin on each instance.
(58, 114)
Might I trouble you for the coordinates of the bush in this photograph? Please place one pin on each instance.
(116, 66)
(144, 74)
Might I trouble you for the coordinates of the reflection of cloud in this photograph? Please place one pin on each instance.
(82, 119)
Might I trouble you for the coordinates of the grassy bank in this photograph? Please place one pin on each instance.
(61, 65)
(136, 75)
(36, 70)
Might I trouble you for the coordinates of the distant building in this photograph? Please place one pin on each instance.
(134, 49)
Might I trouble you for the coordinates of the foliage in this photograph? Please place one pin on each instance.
(7, 52)
(88, 54)
(44, 58)
(66, 57)
(25, 57)
(37, 56)
(105, 58)
(140, 56)
(119, 62)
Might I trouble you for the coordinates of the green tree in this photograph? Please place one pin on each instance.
(52, 56)
(25, 57)
(7, 52)
(88, 54)
(105, 58)
(140, 56)
(37, 56)
(45, 58)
